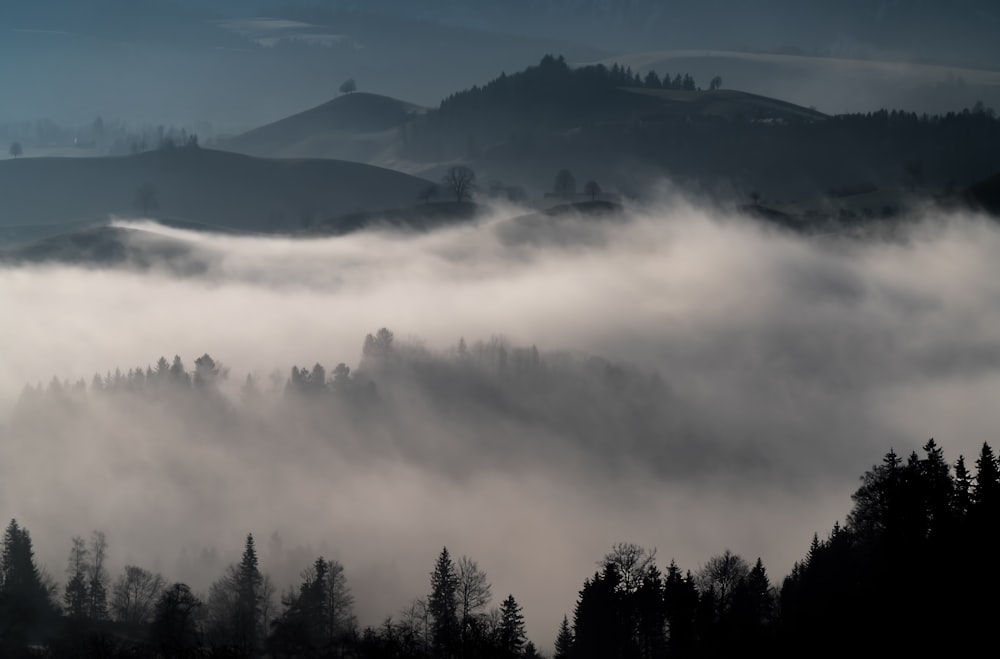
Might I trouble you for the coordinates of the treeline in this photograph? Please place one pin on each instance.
(550, 96)
(915, 550)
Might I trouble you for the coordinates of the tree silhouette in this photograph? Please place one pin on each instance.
(349, 86)
(473, 594)
(715, 83)
(25, 598)
(460, 180)
(15, 149)
(722, 573)
(443, 607)
(564, 641)
(135, 594)
(97, 577)
(76, 596)
(511, 636)
(175, 629)
(593, 189)
(565, 183)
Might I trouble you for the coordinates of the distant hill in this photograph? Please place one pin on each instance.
(835, 85)
(108, 247)
(197, 186)
(359, 126)
(727, 104)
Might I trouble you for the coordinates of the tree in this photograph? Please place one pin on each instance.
(249, 582)
(319, 616)
(565, 183)
(379, 345)
(473, 594)
(442, 606)
(722, 573)
(238, 605)
(134, 595)
(593, 189)
(97, 577)
(145, 198)
(632, 563)
(511, 635)
(16, 149)
(25, 596)
(175, 622)
(460, 180)
(564, 640)
(715, 83)
(349, 86)
(76, 597)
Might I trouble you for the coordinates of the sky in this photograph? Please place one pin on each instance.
(764, 371)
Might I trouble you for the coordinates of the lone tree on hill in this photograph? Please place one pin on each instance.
(593, 189)
(461, 181)
(16, 149)
(715, 83)
(348, 86)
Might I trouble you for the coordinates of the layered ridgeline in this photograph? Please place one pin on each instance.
(628, 132)
(867, 575)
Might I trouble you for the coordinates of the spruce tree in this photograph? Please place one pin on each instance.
(564, 640)
(511, 635)
(249, 598)
(443, 607)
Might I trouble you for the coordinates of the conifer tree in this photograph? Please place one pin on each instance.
(443, 607)
(564, 640)
(511, 635)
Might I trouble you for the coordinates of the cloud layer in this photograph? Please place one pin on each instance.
(754, 374)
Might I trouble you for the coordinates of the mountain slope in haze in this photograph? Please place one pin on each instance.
(194, 185)
(360, 126)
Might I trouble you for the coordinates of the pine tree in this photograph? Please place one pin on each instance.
(25, 599)
(962, 494)
(564, 641)
(986, 493)
(443, 607)
(511, 635)
(248, 599)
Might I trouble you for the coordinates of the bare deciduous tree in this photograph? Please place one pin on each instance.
(460, 181)
(134, 595)
(632, 563)
(722, 572)
(474, 593)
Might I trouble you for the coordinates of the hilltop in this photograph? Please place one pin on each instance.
(359, 126)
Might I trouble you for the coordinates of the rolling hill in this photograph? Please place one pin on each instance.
(192, 186)
(360, 126)
(110, 247)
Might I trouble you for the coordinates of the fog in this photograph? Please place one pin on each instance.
(756, 374)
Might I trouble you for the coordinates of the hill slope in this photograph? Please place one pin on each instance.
(361, 127)
(193, 185)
